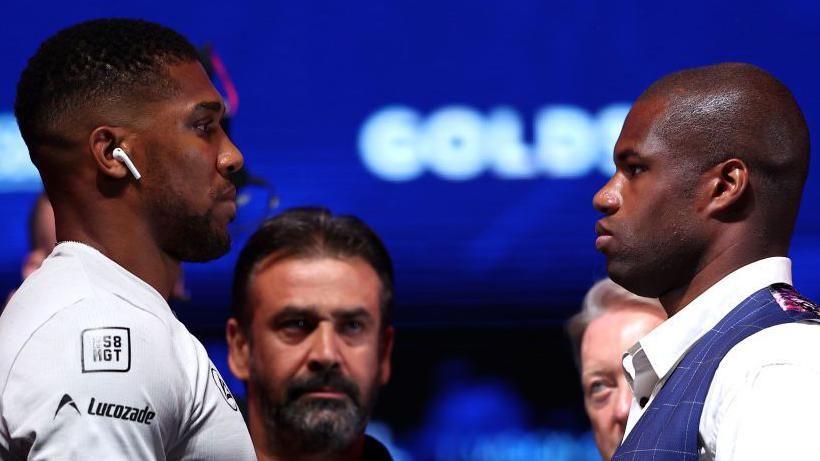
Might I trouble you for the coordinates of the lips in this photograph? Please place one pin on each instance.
(227, 199)
(326, 392)
(604, 237)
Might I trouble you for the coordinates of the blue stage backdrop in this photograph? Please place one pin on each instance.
(470, 135)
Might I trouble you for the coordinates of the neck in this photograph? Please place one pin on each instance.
(275, 447)
(123, 237)
(719, 262)
(280, 453)
(354, 453)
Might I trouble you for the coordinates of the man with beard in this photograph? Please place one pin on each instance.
(311, 335)
(711, 164)
(123, 124)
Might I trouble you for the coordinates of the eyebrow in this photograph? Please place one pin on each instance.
(213, 106)
(352, 313)
(311, 311)
(625, 154)
(294, 311)
(594, 371)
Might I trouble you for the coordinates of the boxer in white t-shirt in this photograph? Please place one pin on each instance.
(123, 124)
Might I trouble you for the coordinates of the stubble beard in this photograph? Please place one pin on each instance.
(188, 236)
(183, 234)
(652, 268)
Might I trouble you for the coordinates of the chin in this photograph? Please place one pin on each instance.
(606, 449)
(631, 278)
(213, 251)
(202, 247)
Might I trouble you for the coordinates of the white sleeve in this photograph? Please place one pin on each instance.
(213, 428)
(772, 416)
(92, 386)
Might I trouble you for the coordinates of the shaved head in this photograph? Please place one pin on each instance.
(710, 168)
(737, 110)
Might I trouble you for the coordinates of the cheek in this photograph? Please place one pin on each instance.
(275, 362)
(363, 365)
(202, 163)
(655, 224)
(599, 415)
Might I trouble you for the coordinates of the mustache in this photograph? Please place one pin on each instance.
(322, 381)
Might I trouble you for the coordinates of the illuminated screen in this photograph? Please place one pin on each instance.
(470, 135)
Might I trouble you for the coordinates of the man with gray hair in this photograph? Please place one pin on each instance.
(610, 321)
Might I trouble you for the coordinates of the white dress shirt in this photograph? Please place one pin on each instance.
(760, 405)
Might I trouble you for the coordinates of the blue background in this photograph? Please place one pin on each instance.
(472, 256)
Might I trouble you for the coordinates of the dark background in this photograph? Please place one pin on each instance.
(488, 266)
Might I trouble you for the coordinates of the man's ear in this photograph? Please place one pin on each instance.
(727, 185)
(238, 349)
(103, 141)
(385, 354)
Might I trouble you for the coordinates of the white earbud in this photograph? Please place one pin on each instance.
(120, 155)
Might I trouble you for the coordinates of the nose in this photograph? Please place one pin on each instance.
(230, 160)
(608, 199)
(622, 404)
(324, 351)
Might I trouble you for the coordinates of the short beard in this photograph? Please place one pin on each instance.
(189, 237)
(314, 426)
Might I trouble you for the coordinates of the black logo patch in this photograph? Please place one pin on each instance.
(106, 349)
(223, 388)
(123, 412)
(66, 401)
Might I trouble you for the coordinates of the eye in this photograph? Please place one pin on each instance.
(596, 387)
(635, 170)
(297, 325)
(597, 391)
(353, 326)
(204, 127)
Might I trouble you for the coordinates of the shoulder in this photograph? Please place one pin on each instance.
(758, 373)
(99, 359)
(98, 343)
(793, 343)
(39, 309)
(787, 347)
(60, 282)
(790, 343)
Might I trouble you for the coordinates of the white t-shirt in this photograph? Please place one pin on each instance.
(94, 366)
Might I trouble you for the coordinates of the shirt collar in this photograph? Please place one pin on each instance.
(110, 276)
(656, 354)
